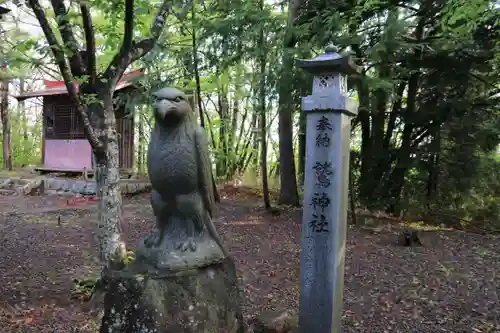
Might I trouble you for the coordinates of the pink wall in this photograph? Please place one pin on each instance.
(68, 154)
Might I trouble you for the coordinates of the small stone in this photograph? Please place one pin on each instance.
(274, 322)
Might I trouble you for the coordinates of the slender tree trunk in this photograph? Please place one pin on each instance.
(396, 180)
(263, 163)
(197, 71)
(198, 94)
(21, 109)
(306, 90)
(222, 160)
(232, 158)
(254, 158)
(302, 148)
(262, 120)
(352, 200)
(107, 176)
(288, 178)
(140, 143)
(433, 169)
(437, 157)
(366, 182)
(6, 131)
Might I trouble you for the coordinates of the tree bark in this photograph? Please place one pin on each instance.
(262, 120)
(6, 131)
(288, 180)
(107, 176)
(302, 148)
(433, 165)
(196, 73)
(223, 104)
(140, 143)
(253, 159)
(21, 109)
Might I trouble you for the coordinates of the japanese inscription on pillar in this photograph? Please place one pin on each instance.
(323, 171)
(323, 127)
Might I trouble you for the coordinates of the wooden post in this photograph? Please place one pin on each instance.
(328, 126)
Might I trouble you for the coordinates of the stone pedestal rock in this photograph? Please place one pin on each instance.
(201, 300)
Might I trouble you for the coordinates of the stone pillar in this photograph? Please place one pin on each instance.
(328, 126)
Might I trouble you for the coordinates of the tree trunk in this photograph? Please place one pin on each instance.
(288, 179)
(366, 183)
(262, 120)
(193, 71)
(214, 183)
(263, 157)
(222, 161)
(107, 177)
(4, 111)
(254, 155)
(140, 144)
(232, 137)
(302, 148)
(22, 111)
(380, 164)
(197, 71)
(396, 180)
(433, 179)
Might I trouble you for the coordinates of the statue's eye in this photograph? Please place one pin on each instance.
(177, 99)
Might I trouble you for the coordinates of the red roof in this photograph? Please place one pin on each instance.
(59, 88)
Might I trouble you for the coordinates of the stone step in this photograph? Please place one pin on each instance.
(40, 185)
(8, 192)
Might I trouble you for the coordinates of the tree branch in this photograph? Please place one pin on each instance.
(121, 60)
(128, 36)
(90, 42)
(34, 62)
(69, 81)
(75, 58)
(419, 137)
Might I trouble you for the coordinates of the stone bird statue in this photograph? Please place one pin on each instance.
(180, 172)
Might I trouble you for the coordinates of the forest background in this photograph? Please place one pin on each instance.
(425, 144)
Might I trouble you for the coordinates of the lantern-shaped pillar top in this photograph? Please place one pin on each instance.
(329, 62)
(329, 91)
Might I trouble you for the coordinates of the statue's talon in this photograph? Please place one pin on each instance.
(192, 244)
(181, 246)
(187, 244)
(153, 240)
(150, 240)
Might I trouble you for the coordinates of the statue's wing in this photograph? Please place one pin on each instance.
(205, 184)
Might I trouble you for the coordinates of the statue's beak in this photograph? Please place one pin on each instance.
(164, 107)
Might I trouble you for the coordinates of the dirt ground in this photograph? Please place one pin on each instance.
(448, 285)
